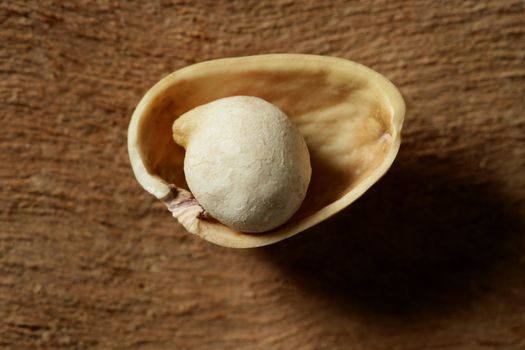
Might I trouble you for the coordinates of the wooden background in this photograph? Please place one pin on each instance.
(433, 257)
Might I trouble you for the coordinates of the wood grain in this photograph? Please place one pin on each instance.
(431, 258)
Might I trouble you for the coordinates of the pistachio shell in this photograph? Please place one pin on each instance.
(349, 115)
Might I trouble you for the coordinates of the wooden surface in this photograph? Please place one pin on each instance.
(431, 258)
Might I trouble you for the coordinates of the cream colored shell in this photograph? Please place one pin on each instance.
(349, 115)
(246, 164)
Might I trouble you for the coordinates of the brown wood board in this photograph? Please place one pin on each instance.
(430, 258)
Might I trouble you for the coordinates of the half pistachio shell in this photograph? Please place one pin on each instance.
(349, 115)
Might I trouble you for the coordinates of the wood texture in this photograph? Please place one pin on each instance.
(431, 258)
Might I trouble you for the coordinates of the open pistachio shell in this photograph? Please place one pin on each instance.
(349, 115)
